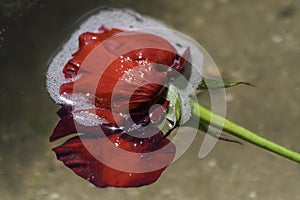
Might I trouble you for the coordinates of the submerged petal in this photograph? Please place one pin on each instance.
(75, 154)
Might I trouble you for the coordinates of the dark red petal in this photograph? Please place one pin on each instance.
(184, 58)
(76, 156)
(67, 125)
(64, 127)
(64, 110)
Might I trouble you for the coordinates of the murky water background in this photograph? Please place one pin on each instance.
(255, 41)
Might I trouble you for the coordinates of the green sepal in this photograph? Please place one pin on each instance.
(174, 108)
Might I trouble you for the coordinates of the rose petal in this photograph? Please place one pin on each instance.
(75, 155)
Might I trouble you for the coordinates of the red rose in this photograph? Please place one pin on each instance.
(127, 70)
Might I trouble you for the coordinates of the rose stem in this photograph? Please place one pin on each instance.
(230, 127)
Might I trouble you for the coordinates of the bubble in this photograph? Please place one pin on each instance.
(88, 119)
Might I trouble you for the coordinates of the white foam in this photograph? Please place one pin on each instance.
(87, 118)
(127, 20)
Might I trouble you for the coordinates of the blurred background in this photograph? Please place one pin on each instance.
(255, 41)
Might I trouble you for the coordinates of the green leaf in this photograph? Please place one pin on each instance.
(203, 126)
(214, 83)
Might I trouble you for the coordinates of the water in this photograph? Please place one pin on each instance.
(254, 41)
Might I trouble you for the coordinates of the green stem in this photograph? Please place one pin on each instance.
(220, 122)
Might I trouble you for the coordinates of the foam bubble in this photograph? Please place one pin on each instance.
(127, 20)
(88, 119)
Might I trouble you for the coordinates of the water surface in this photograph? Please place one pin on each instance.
(255, 41)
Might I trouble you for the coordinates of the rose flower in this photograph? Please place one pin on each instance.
(124, 73)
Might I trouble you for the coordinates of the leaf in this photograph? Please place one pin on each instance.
(204, 127)
(214, 84)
